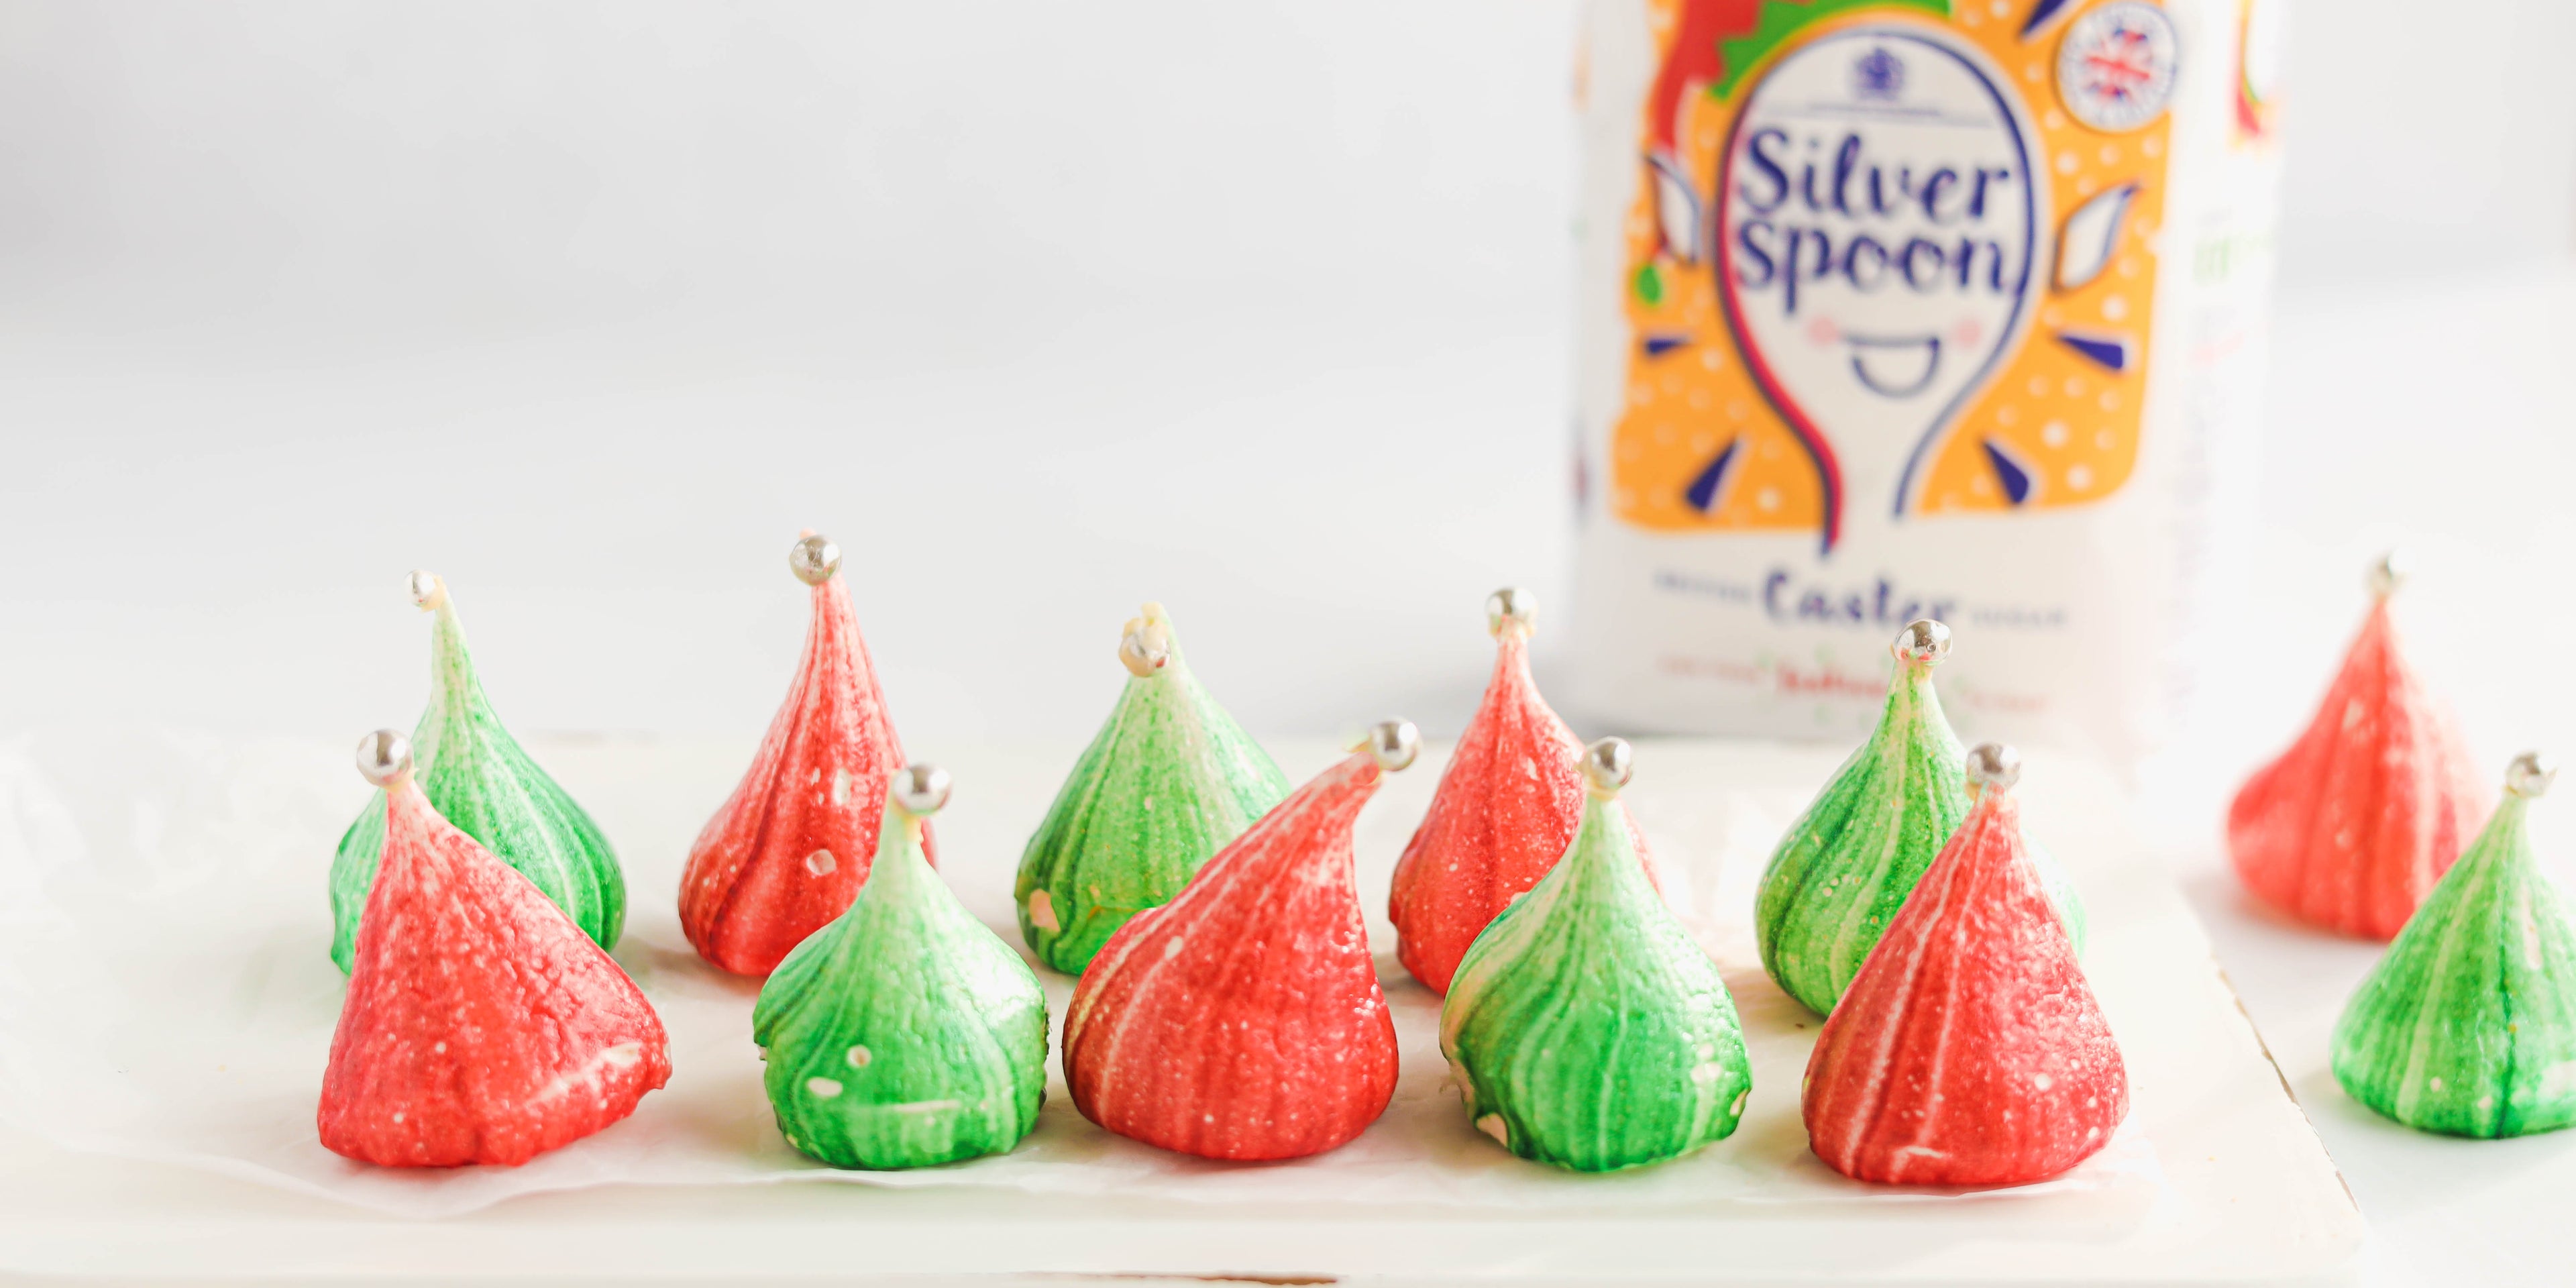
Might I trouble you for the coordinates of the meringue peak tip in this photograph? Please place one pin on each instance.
(814, 558)
(428, 590)
(1607, 766)
(1993, 766)
(384, 757)
(2389, 572)
(1925, 640)
(920, 789)
(1145, 642)
(2530, 774)
(1393, 744)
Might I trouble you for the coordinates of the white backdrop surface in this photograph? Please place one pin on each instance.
(1255, 307)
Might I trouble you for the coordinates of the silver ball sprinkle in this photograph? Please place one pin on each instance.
(1146, 647)
(1141, 658)
(814, 559)
(1510, 607)
(1608, 764)
(1923, 640)
(920, 788)
(427, 591)
(2530, 774)
(384, 756)
(1993, 765)
(2390, 573)
(1394, 744)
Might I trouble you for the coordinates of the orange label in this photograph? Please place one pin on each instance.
(1890, 261)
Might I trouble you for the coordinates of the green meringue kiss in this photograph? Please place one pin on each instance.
(1848, 863)
(480, 779)
(2468, 1026)
(1169, 781)
(904, 1033)
(1585, 1027)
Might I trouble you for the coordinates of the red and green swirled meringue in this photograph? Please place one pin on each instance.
(1170, 780)
(1970, 1049)
(903, 1033)
(1243, 1020)
(1507, 805)
(790, 848)
(478, 778)
(480, 1024)
(1849, 862)
(2350, 827)
(1585, 1027)
(2468, 1026)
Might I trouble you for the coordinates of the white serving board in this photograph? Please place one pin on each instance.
(2215, 1178)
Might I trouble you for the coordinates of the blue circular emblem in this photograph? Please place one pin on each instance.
(2116, 65)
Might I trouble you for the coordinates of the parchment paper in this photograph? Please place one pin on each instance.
(165, 992)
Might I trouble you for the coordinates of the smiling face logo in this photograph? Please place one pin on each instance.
(1877, 230)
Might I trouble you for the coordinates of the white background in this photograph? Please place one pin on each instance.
(1258, 308)
(1043, 309)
